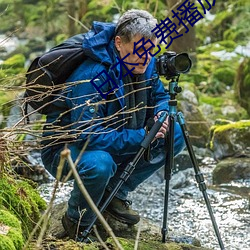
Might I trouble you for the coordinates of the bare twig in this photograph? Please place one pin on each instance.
(77, 21)
(66, 154)
(138, 236)
(99, 238)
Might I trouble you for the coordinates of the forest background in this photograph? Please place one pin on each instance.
(218, 44)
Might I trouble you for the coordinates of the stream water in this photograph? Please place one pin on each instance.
(187, 212)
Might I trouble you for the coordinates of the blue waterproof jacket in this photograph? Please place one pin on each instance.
(89, 116)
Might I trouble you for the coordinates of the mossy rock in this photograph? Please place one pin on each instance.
(225, 75)
(232, 139)
(231, 169)
(10, 231)
(22, 200)
(128, 244)
(221, 107)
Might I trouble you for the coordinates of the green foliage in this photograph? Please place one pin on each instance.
(6, 243)
(16, 61)
(219, 102)
(242, 84)
(21, 199)
(13, 66)
(13, 239)
(224, 75)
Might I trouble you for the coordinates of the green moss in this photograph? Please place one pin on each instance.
(9, 219)
(212, 100)
(22, 200)
(236, 125)
(16, 237)
(224, 75)
(16, 61)
(219, 102)
(6, 243)
(238, 128)
(13, 71)
(14, 234)
(128, 244)
(229, 45)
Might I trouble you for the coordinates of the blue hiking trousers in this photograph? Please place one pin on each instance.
(99, 170)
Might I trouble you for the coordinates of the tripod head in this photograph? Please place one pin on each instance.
(174, 89)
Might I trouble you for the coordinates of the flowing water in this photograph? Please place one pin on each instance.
(187, 212)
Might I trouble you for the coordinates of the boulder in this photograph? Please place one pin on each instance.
(231, 169)
(197, 125)
(150, 235)
(232, 139)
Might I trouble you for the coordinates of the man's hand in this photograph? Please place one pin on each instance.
(164, 128)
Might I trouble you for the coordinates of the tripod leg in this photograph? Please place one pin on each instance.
(168, 173)
(129, 168)
(199, 177)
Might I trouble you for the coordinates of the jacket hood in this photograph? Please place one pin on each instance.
(98, 43)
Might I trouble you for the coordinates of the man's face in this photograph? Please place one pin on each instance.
(125, 48)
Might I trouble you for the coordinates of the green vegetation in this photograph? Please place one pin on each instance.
(217, 81)
(240, 131)
(22, 200)
(11, 237)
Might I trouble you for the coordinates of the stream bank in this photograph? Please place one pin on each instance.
(188, 215)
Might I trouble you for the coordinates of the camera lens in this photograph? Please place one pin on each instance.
(182, 63)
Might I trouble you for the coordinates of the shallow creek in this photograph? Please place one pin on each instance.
(188, 215)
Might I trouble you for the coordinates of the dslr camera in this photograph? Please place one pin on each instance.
(171, 65)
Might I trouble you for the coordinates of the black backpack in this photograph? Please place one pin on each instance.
(48, 73)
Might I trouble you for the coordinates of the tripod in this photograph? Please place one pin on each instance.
(169, 163)
(173, 90)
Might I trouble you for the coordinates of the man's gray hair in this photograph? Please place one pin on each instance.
(136, 22)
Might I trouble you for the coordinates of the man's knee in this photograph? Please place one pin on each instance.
(97, 165)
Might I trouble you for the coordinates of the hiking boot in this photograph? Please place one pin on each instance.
(75, 231)
(121, 211)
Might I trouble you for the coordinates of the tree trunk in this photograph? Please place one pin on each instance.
(72, 14)
(83, 7)
(187, 42)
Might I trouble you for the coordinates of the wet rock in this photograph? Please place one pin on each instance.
(150, 234)
(31, 167)
(181, 179)
(232, 139)
(231, 169)
(197, 125)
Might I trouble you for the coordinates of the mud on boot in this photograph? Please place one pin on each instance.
(121, 211)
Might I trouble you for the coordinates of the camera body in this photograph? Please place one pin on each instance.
(171, 65)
